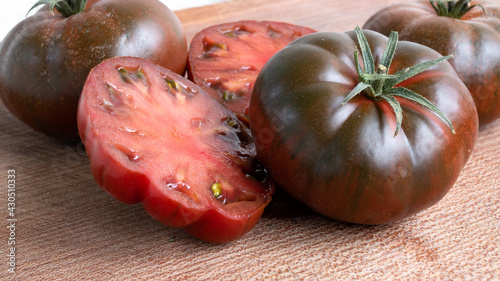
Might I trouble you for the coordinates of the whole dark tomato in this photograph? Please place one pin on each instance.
(469, 31)
(366, 142)
(225, 59)
(154, 137)
(45, 59)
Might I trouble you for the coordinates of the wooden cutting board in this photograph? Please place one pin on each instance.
(68, 228)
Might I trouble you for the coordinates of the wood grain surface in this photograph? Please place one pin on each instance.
(67, 228)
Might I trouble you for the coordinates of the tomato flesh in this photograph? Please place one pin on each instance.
(154, 137)
(225, 59)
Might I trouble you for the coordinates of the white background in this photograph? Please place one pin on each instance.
(15, 11)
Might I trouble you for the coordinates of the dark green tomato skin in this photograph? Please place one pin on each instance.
(45, 59)
(474, 41)
(343, 161)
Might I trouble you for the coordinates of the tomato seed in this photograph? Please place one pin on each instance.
(227, 96)
(196, 122)
(217, 189)
(173, 85)
(236, 31)
(119, 97)
(212, 49)
(132, 131)
(107, 106)
(124, 75)
(131, 154)
(273, 33)
(232, 123)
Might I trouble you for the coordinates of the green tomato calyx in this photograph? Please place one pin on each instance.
(452, 8)
(67, 8)
(378, 85)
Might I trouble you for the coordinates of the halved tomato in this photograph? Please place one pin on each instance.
(154, 137)
(224, 60)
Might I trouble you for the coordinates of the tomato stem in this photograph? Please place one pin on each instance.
(453, 9)
(67, 8)
(379, 85)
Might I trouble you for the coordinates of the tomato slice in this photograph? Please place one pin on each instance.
(154, 137)
(224, 60)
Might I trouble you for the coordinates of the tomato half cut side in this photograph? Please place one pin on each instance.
(154, 137)
(225, 59)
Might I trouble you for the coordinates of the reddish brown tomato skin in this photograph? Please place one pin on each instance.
(45, 59)
(474, 41)
(343, 161)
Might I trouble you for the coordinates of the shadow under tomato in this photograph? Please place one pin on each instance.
(284, 206)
